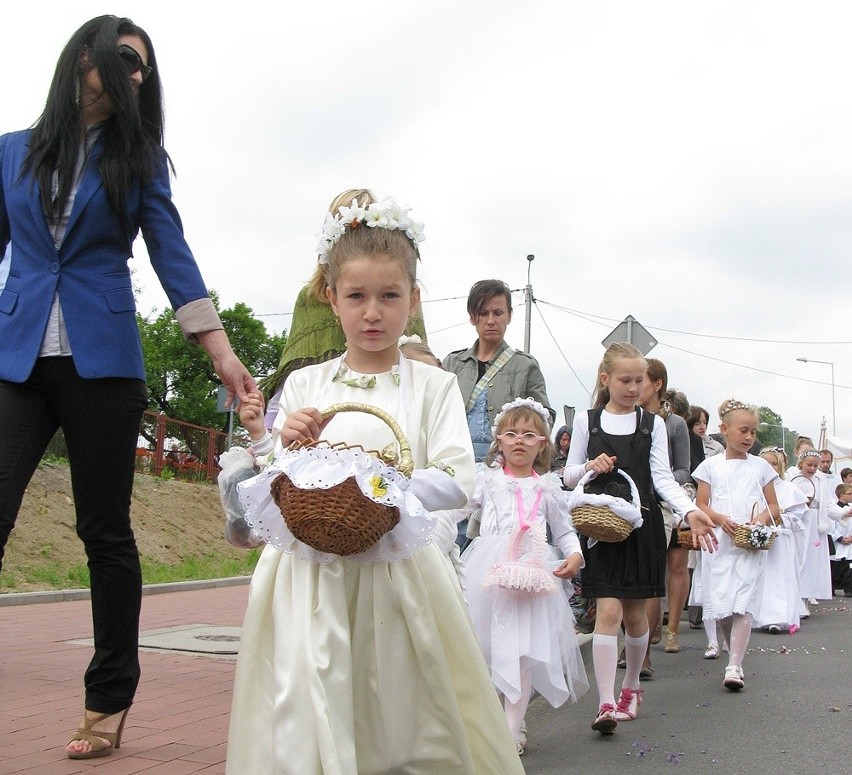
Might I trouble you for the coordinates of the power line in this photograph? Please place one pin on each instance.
(589, 315)
(564, 357)
(752, 368)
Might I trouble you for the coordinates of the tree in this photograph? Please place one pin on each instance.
(181, 380)
(773, 433)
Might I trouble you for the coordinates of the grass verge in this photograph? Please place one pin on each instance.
(76, 576)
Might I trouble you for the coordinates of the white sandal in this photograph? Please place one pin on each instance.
(711, 652)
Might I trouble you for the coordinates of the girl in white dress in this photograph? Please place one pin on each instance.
(521, 613)
(815, 567)
(781, 603)
(366, 664)
(735, 488)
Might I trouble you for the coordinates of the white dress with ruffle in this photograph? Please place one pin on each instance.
(815, 580)
(352, 666)
(781, 602)
(520, 631)
(732, 578)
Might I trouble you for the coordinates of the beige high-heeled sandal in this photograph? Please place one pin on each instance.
(95, 739)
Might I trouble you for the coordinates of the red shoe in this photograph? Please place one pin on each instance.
(628, 704)
(605, 723)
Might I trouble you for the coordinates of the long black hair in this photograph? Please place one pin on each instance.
(132, 135)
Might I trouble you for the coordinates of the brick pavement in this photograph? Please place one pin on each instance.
(179, 722)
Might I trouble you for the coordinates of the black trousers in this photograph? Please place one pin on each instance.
(100, 419)
(841, 576)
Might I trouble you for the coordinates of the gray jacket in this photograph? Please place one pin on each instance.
(520, 377)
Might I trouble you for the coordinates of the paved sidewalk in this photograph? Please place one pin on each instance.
(178, 724)
(179, 721)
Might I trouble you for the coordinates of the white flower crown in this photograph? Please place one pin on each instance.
(517, 403)
(386, 214)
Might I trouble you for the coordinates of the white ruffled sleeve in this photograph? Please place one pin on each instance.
(561, 526)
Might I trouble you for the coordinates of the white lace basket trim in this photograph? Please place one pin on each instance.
(320, 468)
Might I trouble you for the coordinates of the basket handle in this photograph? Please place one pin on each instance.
(634, 491)
(406, 462)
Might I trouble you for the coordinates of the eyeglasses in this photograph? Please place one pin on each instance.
(131, 58)
(529, 438)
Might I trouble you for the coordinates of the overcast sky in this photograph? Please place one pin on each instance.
(686, 163)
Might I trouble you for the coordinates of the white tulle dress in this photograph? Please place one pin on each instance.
(732, 578)
(368, 665)
(521, 630)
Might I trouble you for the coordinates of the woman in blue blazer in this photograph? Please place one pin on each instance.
(75, 191)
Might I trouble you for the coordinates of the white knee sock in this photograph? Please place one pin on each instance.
(634, 652)
(605, 660)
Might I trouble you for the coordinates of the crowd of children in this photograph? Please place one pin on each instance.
(387, 658)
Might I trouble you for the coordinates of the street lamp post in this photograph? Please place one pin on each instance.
(833, 410)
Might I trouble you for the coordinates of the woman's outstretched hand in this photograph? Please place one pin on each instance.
(702, 526)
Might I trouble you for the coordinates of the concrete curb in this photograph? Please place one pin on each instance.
(64, 595)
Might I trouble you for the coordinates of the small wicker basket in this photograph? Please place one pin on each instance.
(684, 538)
(601, 522)
(340, 519)
(742, 533)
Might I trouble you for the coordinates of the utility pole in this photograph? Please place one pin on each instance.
(528, 297)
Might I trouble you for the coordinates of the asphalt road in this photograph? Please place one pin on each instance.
(793, 716)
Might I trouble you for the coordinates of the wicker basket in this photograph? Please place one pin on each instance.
(340, 519)
(601, 522)
(741, 536)
(684, 538)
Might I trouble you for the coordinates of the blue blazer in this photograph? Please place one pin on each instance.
(89, 271)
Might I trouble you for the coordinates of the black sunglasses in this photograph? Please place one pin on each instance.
(134, 62)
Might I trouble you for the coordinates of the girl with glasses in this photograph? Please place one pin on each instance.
(517, 601)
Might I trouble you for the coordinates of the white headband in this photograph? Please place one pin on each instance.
(516, 404)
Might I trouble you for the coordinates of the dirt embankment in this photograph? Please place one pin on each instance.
(172, 520)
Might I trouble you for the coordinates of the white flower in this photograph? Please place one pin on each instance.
(377, 217)
(415, 233)
(351, 214)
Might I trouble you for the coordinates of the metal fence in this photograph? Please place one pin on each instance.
(169, 447)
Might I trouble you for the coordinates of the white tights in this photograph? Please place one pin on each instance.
(737, 631)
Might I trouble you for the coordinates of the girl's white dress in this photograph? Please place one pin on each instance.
(732, 580)
(351, 667)
(815, 578)
(781, 601)
(518, 631)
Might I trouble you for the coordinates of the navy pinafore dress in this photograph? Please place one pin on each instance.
(634, 568)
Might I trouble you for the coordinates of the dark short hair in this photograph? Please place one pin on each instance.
(826, 452)
(482, 291)
(695, 413)
(844, 472)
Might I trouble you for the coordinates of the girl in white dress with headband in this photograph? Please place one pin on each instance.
(735, 489)
(367, 663)
(513, 578)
